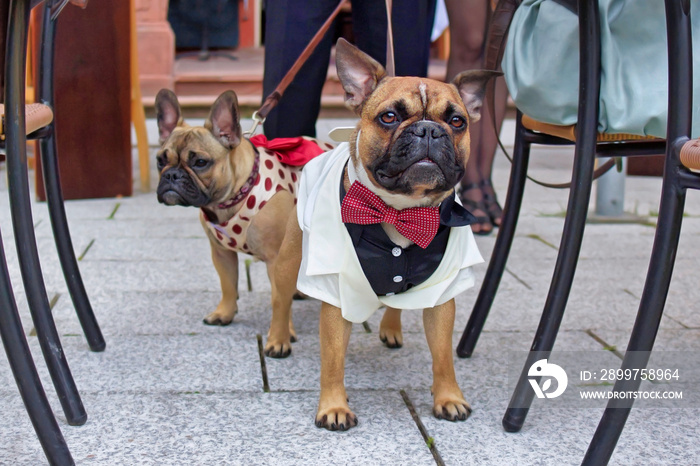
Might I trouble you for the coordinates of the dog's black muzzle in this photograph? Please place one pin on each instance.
(177, 188)
(423, 154)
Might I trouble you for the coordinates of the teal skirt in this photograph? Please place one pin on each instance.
(541, 61)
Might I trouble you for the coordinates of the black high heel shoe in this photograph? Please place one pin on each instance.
(473, 206)
(491, 205)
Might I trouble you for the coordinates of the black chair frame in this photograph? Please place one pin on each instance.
(676, 181)
(587, 148)
(15, 343)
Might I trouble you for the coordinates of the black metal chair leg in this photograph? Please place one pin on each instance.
(577, 209)
(28, 382)
(504, 240)
(645, 326)
(560, 287)
(668, 230)
(54, 195)
(22, 219)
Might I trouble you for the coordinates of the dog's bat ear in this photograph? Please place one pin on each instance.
(472, 87)
(168, 113)
(223, 120)
(359, 74)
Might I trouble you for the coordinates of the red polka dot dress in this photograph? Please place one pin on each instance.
(273, 176)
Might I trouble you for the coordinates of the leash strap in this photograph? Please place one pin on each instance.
(273, 99)
(495, 46)
(390, 66)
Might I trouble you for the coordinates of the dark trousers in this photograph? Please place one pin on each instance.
(290, 25)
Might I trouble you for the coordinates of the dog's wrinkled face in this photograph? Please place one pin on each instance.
(414, 132)
(414, 139)
(194, 163)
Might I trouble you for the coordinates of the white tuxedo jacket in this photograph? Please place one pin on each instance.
(330, 270)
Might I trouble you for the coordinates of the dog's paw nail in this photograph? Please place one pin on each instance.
(321, 422)
(293, 339)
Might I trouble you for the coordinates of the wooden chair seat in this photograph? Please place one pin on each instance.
(37, 116)
(569, 132)
(690, 155)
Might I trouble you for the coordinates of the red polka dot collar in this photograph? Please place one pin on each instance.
(247, 186)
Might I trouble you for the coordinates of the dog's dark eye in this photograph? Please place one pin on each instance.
(388, 118)
(160, 162)
(199, 163)
(457, 122)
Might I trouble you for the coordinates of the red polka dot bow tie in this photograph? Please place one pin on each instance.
(362, 206)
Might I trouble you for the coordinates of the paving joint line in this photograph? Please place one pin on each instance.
(606, 346)
(247, 263)
(542, 240)
(87, 248)
(114, 211)
(520, 280)
(687, 327)
(263, 367)
(429, 441)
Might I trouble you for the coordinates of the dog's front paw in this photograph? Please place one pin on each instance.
(220, 317)
(452, 408)
(338, 418)
(278, 348)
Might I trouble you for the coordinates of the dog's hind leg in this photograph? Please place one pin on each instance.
(333, 410)
(390, 328)
(448, 400)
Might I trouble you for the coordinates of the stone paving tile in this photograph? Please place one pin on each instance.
(558, 436)
(145, 276)
(178, 312)
(226, 428)
(548, 437)
(666, 339)
(659, 436)
(163, 250)
(369, 364)
(132, 228)
(154, 363)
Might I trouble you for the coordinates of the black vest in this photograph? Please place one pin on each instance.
(391, 269)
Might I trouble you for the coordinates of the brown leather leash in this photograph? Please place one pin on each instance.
(273, 99)
(390, 66)
(494, 48)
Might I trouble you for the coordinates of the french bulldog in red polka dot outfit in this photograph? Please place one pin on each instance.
(245, 189)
